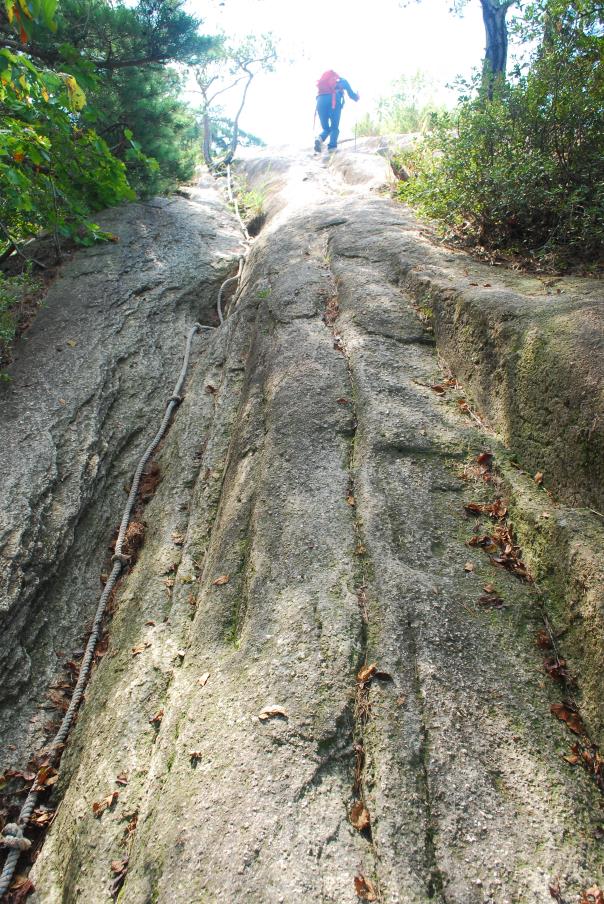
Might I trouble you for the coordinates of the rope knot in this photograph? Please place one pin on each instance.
(120, 557)
(177, 399)
(12, 837)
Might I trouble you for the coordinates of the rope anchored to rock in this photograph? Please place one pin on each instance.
(12, 834)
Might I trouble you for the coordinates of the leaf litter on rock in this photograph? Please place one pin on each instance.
(272, 712)
(359, 816)
(365, 888)
(99, 806)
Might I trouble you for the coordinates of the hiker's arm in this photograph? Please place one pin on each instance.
(346, 87)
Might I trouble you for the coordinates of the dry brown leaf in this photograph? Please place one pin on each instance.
(438, 388)
(118, 866)
(42, 817)
(101, 805)
(21, 887)
(351, 500)
(271, 712)
(543, 640)
(122, 778)
(203, 679)
(156, 719)
(342, 401)
(46, 778)
(195, 755)
(223, 579)
(366, 673)
(538, 478)
(593, 895)
(140, 648)
(359, 816)
(469, 566)
(572, 718)
(365, 888)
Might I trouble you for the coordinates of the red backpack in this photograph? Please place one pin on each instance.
(327, 85)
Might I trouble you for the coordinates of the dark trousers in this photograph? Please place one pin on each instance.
(329, 118)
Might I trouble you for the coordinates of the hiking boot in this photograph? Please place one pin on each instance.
(331, 150)
(318, 145)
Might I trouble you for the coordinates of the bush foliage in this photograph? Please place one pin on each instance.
(524, 171)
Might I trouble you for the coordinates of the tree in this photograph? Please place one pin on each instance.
(227, 68)
(496, 51)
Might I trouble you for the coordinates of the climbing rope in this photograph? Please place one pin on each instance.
(12, 834)
(225, 284)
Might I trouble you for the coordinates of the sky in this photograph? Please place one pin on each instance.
(370, 44)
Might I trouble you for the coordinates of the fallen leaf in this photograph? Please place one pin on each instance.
(489, 588)
(210, 389)
(169, 583)
(438, 388)
(568, 715)
(195, 755)
(593, 895)
(122, 779)
(485, 458)
(572, 758)
(365, 888)
(359, 816)
(177, 539)
(140, 648)
(360, 550)
(366, 673)
(203, 680)
(156, 719)
(271, 712)
(223, 579)
(538, 478)
(42, 817)
(20, 888)
(400, 700)
(46, 778)
(543, 640)
(491, 601)
(101, 805)
(556, 669)
(351, 500)
(117, 866)
(342, 401)
(468, 566)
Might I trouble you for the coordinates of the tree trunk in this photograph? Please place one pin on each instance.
(207, 139)
(496, 52)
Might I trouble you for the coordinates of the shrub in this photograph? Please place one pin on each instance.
(524, 171)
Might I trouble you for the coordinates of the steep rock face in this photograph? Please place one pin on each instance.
(310, 524)
(88, 384)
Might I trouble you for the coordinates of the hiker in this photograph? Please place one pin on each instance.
(330, 100)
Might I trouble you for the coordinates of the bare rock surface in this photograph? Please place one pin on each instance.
(86, 387)
(304, 697)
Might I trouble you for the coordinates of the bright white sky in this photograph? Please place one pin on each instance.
(371, 44)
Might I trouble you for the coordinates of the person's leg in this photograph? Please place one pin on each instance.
(334, 129)
(324, 110)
